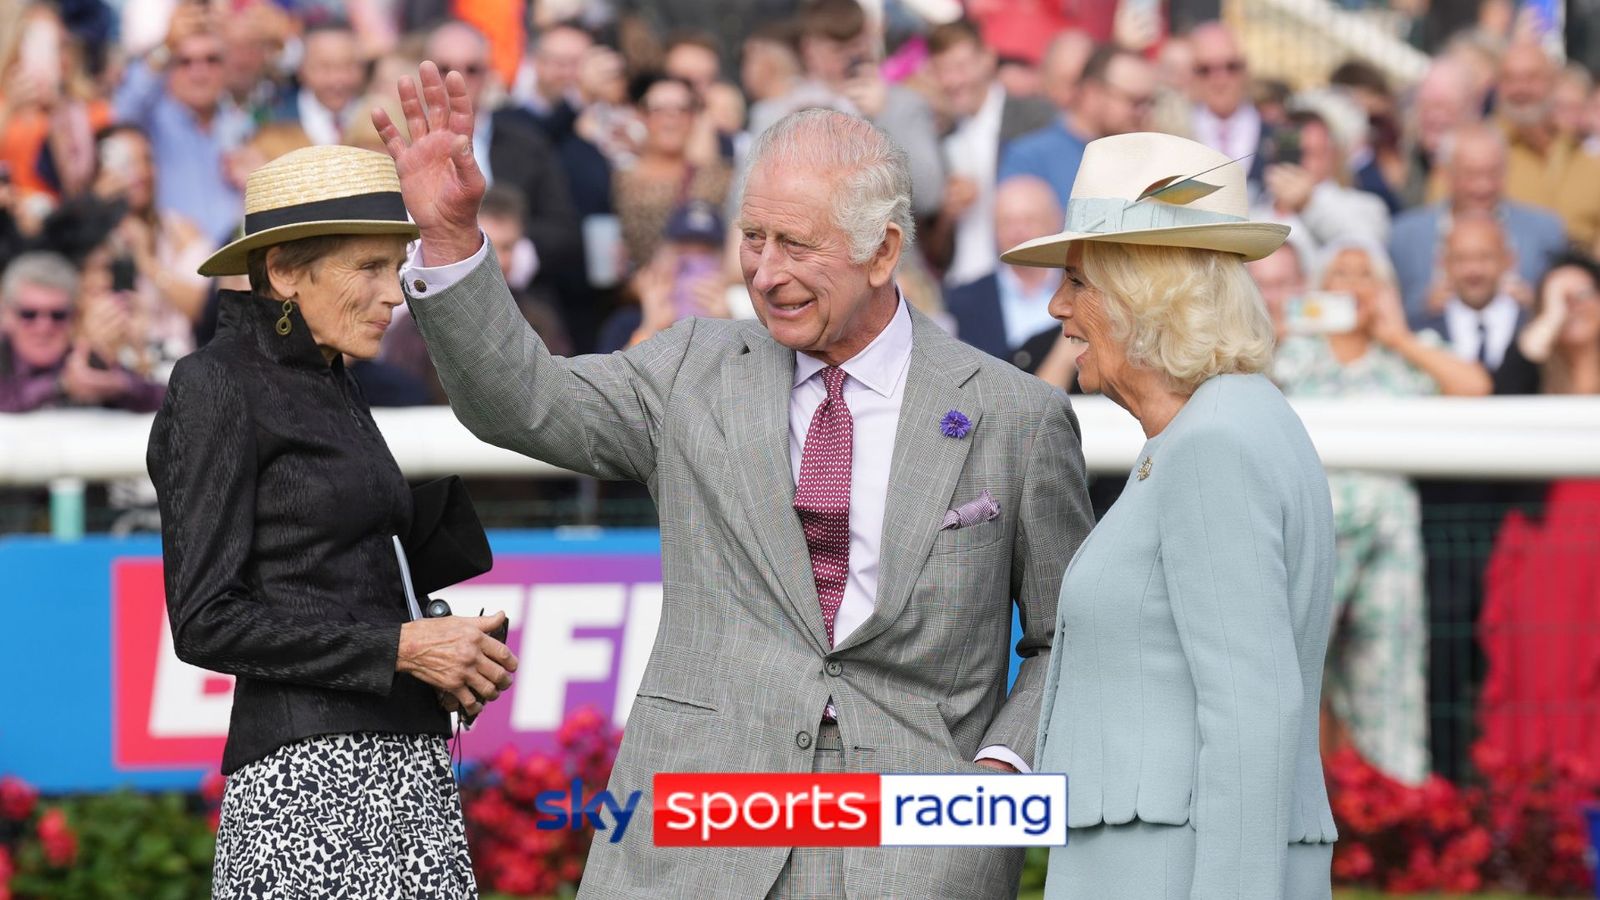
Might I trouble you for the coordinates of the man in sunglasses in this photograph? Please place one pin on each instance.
(176, 94)
(1224, 118)
(41, 365)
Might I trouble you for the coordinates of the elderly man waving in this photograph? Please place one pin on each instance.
(822, 612)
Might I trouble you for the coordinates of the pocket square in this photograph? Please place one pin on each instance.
(981, 509)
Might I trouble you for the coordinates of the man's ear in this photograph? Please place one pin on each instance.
(285, 283)
(880, 268)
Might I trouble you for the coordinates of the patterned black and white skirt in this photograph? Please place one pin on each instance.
(345, 815)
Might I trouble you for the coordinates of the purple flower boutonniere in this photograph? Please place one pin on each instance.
(955, 424)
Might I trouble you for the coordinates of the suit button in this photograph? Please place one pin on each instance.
(803, 740)
(419, 286)
(834, 668)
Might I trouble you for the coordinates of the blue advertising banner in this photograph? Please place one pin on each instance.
(99, 699)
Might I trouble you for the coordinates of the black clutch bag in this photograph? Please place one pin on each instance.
(446, 544)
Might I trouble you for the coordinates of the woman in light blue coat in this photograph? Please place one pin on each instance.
(1186, 675)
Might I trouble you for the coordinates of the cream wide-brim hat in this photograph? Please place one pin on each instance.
(311, 192)
(1116, 171)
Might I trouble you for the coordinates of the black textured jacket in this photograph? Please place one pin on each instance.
(278, 501)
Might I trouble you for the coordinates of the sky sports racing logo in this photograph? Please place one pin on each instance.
(859, 810)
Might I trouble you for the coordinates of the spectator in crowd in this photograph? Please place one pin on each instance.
(1062, 66)
(770, 64)
(1305, 190)
(1114, 96)
(1177, 83)
(686, 277)
(609, 121)
(843, 72)
(1569, 103)
(156, 253)
(671, 168)
(1543, 167)
(557, 61)
(255, 38)
(1223, 117)
(43, 364)
(1558, 352)
(176, 96)
(1480, 321)
(1003, 312)
(1377, 164)
(1591, 125)
(692, 57)
(1376, 672)
(985, 121)
(1539, 615)
(332, 78)
(511, 150)
(1474, 162)
(49, 112)
(1280, 276)
(1444, 102)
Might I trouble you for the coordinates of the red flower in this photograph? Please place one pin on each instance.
(17, 798)
(57, 838)
(1351, 860)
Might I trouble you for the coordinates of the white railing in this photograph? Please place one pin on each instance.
(1510, 437)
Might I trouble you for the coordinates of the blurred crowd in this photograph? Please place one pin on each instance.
(1444, 226)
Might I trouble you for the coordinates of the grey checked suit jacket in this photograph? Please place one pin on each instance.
(740, 670)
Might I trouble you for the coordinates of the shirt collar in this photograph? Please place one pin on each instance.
(1502, 307)
(880, 365)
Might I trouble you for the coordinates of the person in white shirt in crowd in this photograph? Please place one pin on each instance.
(332, 79)
(1223, 117)
(986, 119)
(1303, 186)
(1002, 312)
(1480, 319)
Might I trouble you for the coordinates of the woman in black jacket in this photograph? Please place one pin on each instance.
(279, 502)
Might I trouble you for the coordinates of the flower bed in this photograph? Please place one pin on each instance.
(1514, 828)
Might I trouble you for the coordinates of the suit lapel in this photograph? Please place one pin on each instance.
(924, 470)
(755, 396)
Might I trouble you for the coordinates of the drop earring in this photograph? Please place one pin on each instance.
(284, 325)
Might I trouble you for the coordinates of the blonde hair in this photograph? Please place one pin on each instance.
(1186, 313)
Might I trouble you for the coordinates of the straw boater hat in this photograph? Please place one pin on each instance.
(1155, 189)
(311, 192)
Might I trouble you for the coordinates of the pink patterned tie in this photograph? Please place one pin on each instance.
(823, 496)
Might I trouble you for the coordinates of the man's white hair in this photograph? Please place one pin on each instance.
(872, 172)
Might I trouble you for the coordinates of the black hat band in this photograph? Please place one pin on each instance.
(383, 206)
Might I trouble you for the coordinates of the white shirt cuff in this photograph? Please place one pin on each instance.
(423, 281)
(1004, 754)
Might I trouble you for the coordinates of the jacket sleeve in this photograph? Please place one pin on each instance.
(203, 459)
(1222, 551)
(1055, 517)
(600, 414)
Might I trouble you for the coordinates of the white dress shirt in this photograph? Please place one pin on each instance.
(1466, 327)
(873, 390)
(321, 124)
(1237, 135)
(972, 150)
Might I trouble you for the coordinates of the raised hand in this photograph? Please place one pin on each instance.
(439, 180)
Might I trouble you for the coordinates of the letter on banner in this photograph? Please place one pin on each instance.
(180, 706)
(555, 612)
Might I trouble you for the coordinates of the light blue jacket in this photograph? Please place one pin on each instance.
(1191, 632)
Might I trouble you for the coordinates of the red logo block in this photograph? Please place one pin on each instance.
(766, 810)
